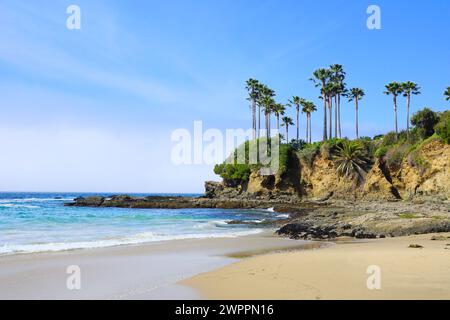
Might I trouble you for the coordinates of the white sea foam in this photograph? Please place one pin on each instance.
(271, 209)
(13, 205)
(140, 238)
(212, 224)
(284, 216)
(34, 200)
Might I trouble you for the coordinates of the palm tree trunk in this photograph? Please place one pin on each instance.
(339, 115)
(298, 122)
(324, 112)
(254, 119)
(278, 122)
(335, 117)
(309, 125)
(408, 101)
(357, 129)
(395, 111)
(330, 114)
(307, 128)
(259, 121)
(287, 133)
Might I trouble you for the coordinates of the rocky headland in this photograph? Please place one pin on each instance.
(412, 197)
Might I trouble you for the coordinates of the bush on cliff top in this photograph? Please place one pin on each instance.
(443, 127)
(236, 172)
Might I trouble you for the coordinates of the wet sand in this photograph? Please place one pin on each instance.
(148, 271)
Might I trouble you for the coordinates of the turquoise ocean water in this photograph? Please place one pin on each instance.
(39, 222)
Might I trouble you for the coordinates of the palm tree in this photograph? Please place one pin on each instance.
(253, 96)
(308, 108)
(356, 94)
(330, 93)
(338, 75)
(409, 88)
(394, 89)
(267, 101)
(286, 123)
(279, 110)
(296, 102)
(447, 94)
(320, 78)
(350, 160)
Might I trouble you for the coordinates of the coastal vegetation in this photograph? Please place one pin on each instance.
(352, 158)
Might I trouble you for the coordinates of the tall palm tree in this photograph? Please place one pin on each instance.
(278, 109)
(409, 88)
(338, 75)
(260, 88)
(308, 108)
(311, 108)
(320, 78)
(286, 123)
(267, 103)
(394, 89)
(356, 94)
(295, 101)
(447, 94)
(329, 93)
(252, 87)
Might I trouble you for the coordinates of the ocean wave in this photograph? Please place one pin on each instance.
(271, 209)
(14, 205)
(212, 224)
(34, 200)
(284, 216)
(146, 237)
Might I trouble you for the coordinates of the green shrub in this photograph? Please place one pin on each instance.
(389, 139)
(233, 172)
(381, 151)
(443, 127)
(425, 120)
(396, 155)
(309, 153)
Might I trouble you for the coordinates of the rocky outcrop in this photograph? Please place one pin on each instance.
(368, 220)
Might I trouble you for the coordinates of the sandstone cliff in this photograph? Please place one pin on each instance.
(423, 174)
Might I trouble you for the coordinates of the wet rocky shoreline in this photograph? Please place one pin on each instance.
(310, 220)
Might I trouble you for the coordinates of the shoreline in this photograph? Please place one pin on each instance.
(337, 272)
(144, 271)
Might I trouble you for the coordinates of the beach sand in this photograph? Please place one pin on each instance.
(147, 271)
(337, 272)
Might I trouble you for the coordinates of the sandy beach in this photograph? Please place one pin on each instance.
(337, 272)
(146, 271)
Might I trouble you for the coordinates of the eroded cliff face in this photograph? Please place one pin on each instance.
(430, 178)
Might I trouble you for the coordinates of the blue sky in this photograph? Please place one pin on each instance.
(93, 109)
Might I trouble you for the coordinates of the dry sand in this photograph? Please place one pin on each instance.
(337, 272)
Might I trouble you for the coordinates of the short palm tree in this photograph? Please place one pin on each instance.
(350, 160)
(320, 79)
(447, 94)
(252, 87)
(409, 88)
(278, 109)
(394, 89)
(296, 101)
(287, 121)
(356, 94)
